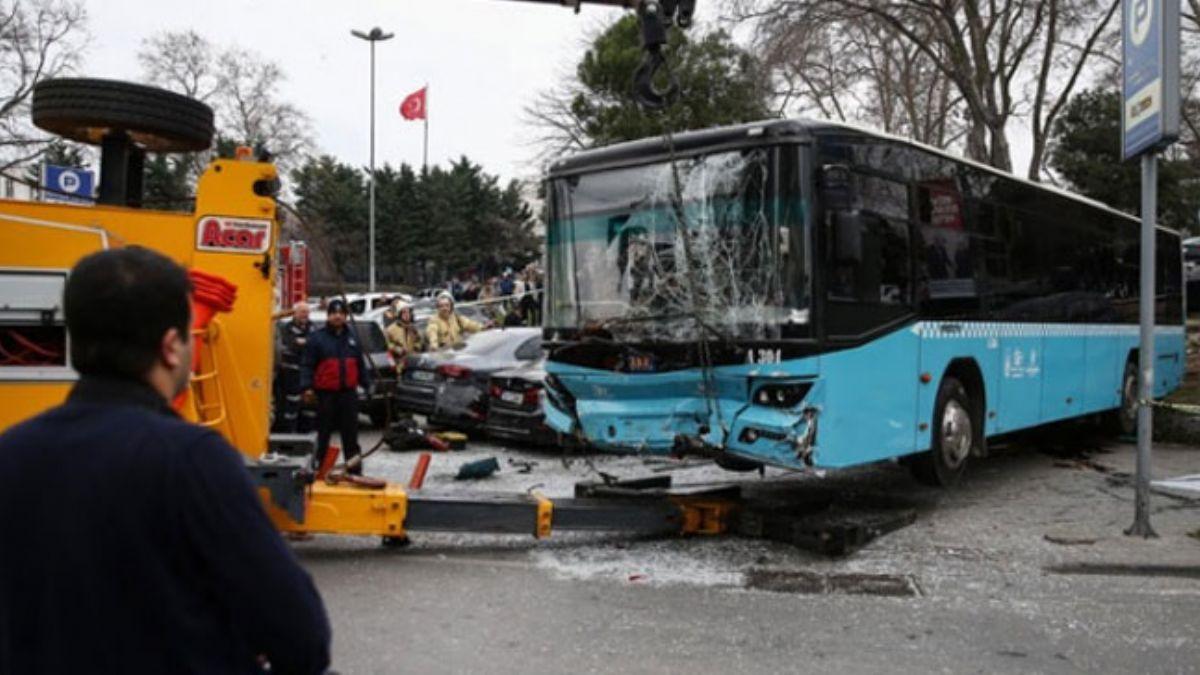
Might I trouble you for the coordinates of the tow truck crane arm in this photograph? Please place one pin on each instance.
(655, 18)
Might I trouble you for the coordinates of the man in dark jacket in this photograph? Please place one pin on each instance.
(293, 417)
(133, 541)
(333, 370)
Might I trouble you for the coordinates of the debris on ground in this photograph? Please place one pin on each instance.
(478, 469)
(406, 434)
(521, 465)
(837, 530)
(1083, 463)
(1069, 541)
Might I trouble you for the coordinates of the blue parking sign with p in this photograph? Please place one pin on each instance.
(1150, 75)
(67, 184)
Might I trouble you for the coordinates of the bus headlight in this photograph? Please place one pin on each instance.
(787, 395)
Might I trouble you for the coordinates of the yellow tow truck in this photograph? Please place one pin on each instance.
(228, 240)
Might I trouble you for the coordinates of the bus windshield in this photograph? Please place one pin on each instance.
(703, 247)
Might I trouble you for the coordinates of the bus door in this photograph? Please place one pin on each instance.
(870, 383)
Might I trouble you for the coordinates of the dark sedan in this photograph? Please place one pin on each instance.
(515, 406)
(451, 386)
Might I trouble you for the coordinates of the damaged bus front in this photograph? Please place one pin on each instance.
(678, 284)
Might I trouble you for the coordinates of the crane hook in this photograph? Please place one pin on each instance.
(654, 18)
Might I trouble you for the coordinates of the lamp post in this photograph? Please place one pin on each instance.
(376, 35)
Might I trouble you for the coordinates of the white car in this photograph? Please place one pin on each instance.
(1191, 259)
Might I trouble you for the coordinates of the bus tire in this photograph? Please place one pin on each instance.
(1123, 420)
(953, 436)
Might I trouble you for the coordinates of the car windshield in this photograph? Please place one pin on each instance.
(671, 252)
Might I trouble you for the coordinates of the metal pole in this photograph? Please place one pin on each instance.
(371, 206)
(1141, 515)
(374, 36)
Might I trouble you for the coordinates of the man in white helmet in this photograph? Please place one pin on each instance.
(447, 328)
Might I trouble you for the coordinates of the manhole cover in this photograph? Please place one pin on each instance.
(814, 583)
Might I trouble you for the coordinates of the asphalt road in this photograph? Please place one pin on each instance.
(994, 568)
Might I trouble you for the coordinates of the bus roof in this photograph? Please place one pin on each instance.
(798, 129)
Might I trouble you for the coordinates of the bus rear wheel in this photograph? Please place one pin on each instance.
(954, 434)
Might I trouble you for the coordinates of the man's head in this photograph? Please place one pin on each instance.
(445, 304)
(300, 312)
(128, 314)
(336, 314)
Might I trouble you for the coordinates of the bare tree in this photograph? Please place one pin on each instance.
(39, 39)
(251, 112)
(1006, 59)
(559, 130)
(240, 85)
(181, 61)
(1190, 75)
(859, 72)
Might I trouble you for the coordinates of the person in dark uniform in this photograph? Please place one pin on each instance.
(332, 372)
(134, 541)
(294, 417)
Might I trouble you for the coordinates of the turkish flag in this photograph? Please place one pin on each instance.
(413, 107)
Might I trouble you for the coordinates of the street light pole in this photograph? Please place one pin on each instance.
(376, 35)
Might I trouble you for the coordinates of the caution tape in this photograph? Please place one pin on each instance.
(1178, 407)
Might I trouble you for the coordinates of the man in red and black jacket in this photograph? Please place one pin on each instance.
(334, 369)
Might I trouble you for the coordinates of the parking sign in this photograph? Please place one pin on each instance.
(67, 184)
(1150, 73)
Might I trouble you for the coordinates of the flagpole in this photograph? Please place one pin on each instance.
(425, 151)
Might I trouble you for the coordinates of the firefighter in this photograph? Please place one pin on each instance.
(294, 417)
(134, 541)
(447, 328)
(331, 374)
(402, 336)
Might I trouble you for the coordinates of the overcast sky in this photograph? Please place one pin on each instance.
(483, 59)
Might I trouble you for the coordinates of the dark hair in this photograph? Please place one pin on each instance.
(118, 305)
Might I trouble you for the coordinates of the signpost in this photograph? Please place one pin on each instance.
(1149, 122)
(67, 184)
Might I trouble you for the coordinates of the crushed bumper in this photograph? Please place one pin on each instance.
(614, 415)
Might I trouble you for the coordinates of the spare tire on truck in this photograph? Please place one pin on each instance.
(86, 110)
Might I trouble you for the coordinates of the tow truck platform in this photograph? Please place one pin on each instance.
(299, 501)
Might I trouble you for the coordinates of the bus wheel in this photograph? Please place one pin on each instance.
(1123, 420)
(954, 431)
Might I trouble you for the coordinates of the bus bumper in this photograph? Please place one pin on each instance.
(676, 423)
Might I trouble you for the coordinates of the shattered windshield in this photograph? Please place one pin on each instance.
(703, 248)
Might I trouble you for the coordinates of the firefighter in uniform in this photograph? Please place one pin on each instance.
(295, 417)
(331, 373)
(403, 337)
(447, 328)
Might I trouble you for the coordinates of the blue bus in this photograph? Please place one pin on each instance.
(808, 294)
